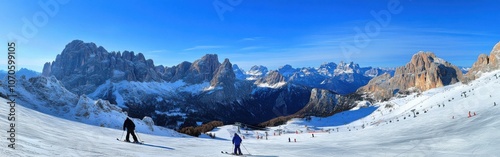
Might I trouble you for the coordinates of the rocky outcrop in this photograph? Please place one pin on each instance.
(256, 72)
(84, 66)
(203, 69)
(287, 71)
(273, 77)
(379, 87)
(177, 72)
(240, 74)
(47, 69)
(325, 103)
(225, 80)
(424, 71)
(224, 76)
(485, 63)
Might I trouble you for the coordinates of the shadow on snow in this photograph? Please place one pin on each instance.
(157, 146)
(339, 119)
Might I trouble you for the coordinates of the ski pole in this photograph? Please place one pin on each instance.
(245, 148)
(137, 136)
(121, 137)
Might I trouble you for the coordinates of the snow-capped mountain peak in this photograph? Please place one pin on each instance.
(257, 71)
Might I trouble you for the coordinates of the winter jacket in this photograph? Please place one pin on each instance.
(129, 124)
(236, 139)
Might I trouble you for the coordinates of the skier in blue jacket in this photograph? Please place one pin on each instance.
(237, 141)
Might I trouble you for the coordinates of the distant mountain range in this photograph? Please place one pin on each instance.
(203, 90)
(21, 72)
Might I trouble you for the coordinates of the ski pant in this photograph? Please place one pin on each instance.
(237, 147)
(131, 131)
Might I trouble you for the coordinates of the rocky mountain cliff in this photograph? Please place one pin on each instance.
(84, 66)
(485, 63)
(272, 78)
(325, 103)
(424, 71)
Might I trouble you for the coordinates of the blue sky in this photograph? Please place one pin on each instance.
(258, 32)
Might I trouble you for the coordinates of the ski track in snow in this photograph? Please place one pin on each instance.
(436, 131)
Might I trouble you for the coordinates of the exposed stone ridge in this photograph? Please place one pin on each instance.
(485, 63)
(424, 71)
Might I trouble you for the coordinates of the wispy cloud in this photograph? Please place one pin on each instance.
(157, 51)
(203, 47)
(251, 39)
(251, 48)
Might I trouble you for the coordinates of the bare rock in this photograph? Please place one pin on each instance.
(424, 71)
(485, 63)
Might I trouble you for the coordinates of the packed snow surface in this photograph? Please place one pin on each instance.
(442, 127)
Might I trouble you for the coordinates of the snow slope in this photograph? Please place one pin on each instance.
(390, 130)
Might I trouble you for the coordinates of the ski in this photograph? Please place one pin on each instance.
(141, 142)
(223, 152)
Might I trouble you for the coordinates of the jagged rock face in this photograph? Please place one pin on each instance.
(425, 71)
(347, 68)
(328, 68)
(322, 101)
(178, 72)
(224, 76)
(378, 86)
(287, 71)
(197, 72)
(203, 69)
(225, 79)
(83, 66)
(485, 63)
(374, 72)
(47, 69)
(240, 74)
(273, 77)
(326, 103)
(256, 72)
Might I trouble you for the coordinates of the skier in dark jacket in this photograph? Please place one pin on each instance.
(130, 126)
(237, 141)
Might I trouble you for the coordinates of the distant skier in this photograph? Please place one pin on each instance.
(130, 126)
(237, 141)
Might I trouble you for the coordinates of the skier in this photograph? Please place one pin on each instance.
(237, 141)
(130, 126)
